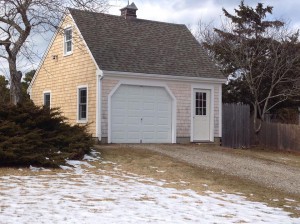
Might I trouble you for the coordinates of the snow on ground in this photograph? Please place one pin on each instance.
(86, 194)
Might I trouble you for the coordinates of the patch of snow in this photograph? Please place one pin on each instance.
(116, 196)
(108, 162)
(90, 158)
(153, 167)
(66, 167)
(77, 163)
(184, 182)
(37, 169)
(93, 156)
(290, 200)
(160, 171)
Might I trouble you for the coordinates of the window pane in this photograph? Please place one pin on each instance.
(47, 100)
(197, 103)
(69, 46)
(82, 98)
(68, 40)
(201, 103)
(68, 34)
(82, 111)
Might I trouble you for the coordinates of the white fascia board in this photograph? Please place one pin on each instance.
(117, 74)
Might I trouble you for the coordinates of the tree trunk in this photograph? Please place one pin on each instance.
(15, 82)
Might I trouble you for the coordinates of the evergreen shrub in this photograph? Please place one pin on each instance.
(39, 136)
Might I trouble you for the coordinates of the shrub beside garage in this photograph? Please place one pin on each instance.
(39, 136)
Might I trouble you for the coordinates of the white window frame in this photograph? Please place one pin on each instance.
(79, 120)
(44, 93)
(66, 53)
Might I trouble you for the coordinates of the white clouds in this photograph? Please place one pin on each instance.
(189, 11)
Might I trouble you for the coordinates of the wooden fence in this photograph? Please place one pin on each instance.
(236, 126)
(280, 136)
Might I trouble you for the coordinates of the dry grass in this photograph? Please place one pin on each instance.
(181, 175)
(184, 176)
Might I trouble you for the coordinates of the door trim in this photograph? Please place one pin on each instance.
(148, 84)
(210, 87)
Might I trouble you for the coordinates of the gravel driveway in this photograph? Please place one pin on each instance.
(280, 171)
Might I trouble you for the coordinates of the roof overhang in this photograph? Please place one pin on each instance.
(118, 74)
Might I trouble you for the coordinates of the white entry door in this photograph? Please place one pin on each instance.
(201, 116)
(141, 114)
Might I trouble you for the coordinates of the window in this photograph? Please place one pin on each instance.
(47, 99)
(200, 103)
(68, 41)
(82, 104)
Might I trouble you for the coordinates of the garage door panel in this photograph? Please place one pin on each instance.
(119, 105)
(148, 106)
(141, 114)
(133, 135)
(163, 107)
(119, 121)
(149, 121)
(149, 128)
(118, 112)
(132, 120)
(162, 121)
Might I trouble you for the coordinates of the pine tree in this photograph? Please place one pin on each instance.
(262, 54)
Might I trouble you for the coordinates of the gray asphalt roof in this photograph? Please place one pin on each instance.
(143, 46)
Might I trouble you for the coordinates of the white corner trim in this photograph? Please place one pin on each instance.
(142, 83)
(98, 106)
(220, 112)
(210, 87)
(117, 74)
(87, 105)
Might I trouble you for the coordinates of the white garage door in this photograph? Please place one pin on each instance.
(141, 114)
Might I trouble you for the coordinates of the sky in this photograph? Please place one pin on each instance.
(190, 11)
(187, 12)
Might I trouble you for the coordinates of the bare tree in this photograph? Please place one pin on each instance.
(21, 18)
(264, 54)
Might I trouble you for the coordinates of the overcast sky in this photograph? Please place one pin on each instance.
(187, 12)
(190, 11)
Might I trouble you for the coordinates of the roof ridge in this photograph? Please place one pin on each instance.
(116, 16)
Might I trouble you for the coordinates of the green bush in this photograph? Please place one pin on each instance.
(31, 135)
